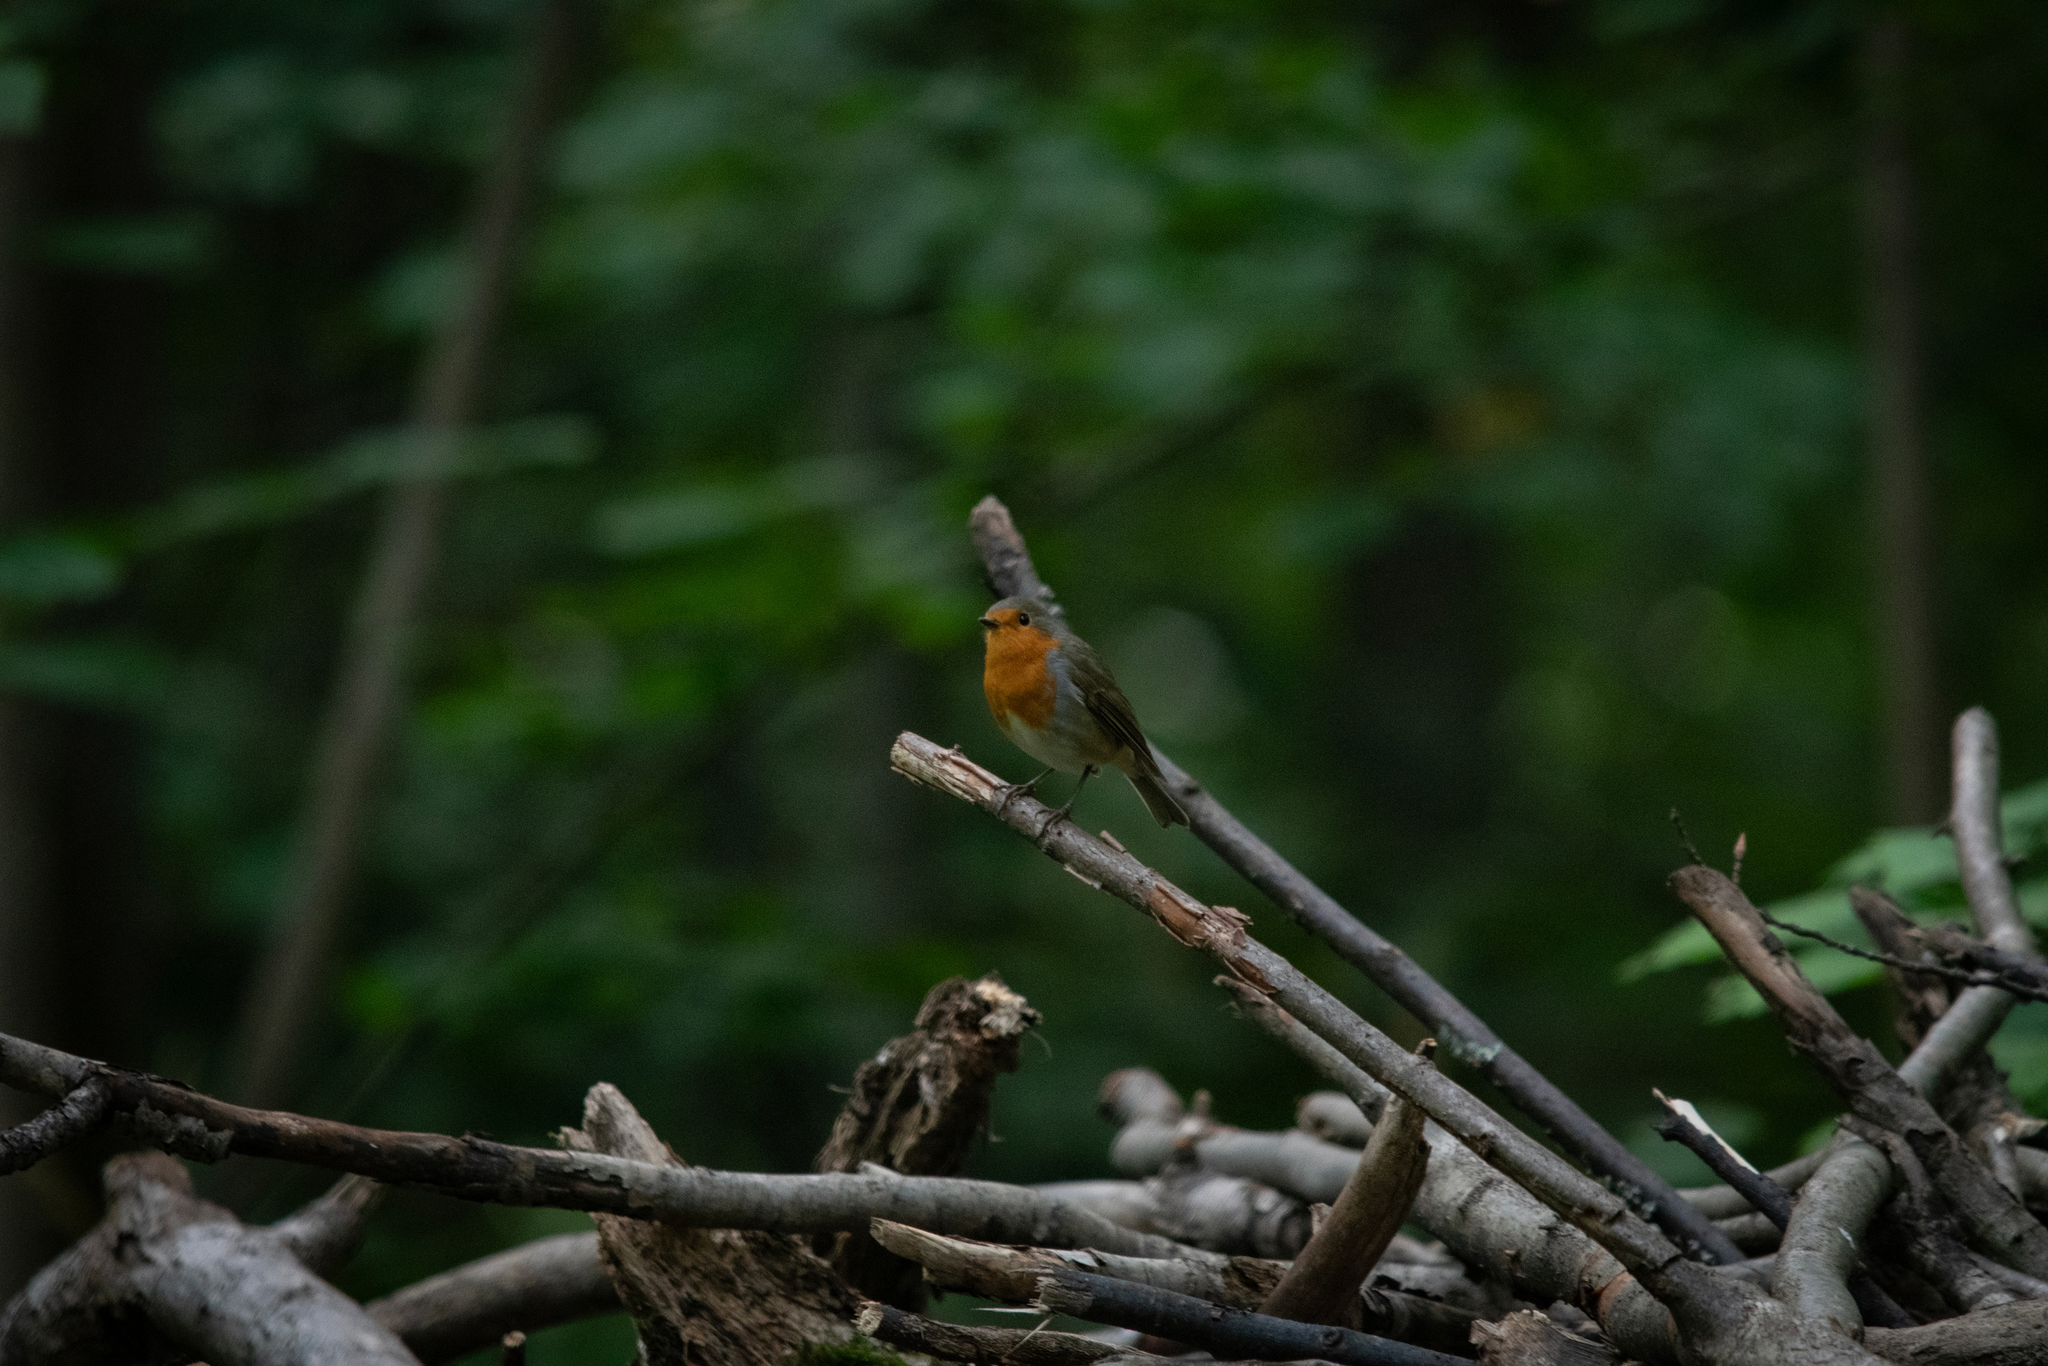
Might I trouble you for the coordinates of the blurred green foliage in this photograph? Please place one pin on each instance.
(1446, 418)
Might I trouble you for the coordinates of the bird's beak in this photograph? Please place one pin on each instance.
(989, 623)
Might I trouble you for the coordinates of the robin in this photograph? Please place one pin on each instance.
(1059, 704)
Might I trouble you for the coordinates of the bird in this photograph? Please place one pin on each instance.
(1055, 699)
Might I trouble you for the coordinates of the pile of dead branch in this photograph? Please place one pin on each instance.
(1913, 1236)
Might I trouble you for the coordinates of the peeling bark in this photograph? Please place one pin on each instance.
(918, 1107)
(706, 1295)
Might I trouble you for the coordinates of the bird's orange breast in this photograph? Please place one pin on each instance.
(1015, 678)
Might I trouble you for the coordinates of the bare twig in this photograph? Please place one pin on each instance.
(1221, 1331)
(1767, 1196)
(470, 1168)
(289, 983)
(533, 1286)
(1725, 1202)
(165, 1271)
(1462, 1033)
(1491, 1224)
(327, 1232)
(1322, 1284)
(1997, 1222)
(1722, 1316)
(79, 1113)
(2021, 979)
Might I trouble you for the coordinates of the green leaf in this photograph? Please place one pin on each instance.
(21, 97)
(42, 570)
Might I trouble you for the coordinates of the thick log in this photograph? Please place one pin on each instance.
(166, 1272)
(2009, 1335)
(918, 1107)
(734, 1296)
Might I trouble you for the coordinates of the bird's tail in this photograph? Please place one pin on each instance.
(1157, 799)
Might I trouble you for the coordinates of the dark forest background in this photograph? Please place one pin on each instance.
(1470, 429)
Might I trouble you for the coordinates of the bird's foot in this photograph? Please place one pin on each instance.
(1012, 791)
(1055, 816)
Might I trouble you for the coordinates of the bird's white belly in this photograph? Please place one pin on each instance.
(1070, 741)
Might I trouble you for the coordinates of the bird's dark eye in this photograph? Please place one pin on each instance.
(1023, 618)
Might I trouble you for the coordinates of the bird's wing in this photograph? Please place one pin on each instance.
(1108, 705)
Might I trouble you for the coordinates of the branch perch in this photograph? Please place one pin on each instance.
(1468, 1038)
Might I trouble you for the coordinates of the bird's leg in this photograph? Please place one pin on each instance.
(1066, 812)
(1012, 791)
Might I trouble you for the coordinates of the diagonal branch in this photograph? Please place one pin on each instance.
(82, 1111)
(1724, 1318)
(1463, 1034)
(1321, 1285)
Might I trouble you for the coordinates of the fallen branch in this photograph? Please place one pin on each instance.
(1920, 1235)
(1979, 833)
(1725, 1202)
(1011, 1273)
(165, 1272)
(1816, 1269)
(1197, 1208)
(1468, 1038)
(1220, 1331)
(1321, 1286)
(82, 1111)
(1995, 1219)
(1766, 1196)
(1721, 1317)
(2010, 1335)
(530, 1287)
(960, 1342)
(197, 1126)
